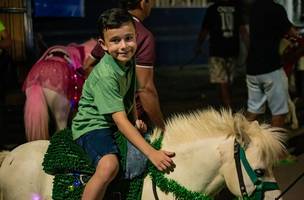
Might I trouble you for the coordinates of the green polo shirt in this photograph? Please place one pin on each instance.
(110, 88)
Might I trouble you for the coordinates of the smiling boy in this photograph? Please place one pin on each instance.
(107, 104)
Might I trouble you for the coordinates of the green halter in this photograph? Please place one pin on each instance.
(260, 186)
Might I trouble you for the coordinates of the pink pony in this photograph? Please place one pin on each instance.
(54, 84)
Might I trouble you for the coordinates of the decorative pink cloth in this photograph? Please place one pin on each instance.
(59, 73)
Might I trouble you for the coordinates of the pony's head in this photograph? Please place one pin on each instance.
(224, 149)
(248, 160)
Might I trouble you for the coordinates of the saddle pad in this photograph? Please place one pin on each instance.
(72, 168)
(65, 156)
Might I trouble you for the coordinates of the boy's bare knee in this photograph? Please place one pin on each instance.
(108, 167)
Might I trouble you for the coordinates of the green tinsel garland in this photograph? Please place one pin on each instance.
(64, 155)
(121, 142)
(66, 161)
(135, 188)
(171, 186)
(64, 188)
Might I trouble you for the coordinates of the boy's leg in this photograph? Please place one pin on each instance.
(106, 171)
(101, 148)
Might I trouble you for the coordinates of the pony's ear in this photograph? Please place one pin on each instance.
(240, 132)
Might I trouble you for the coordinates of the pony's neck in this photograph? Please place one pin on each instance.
(198, 164)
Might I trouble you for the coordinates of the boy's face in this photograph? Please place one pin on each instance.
(120, 42)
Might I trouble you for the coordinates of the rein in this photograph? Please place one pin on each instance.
(260, 186)
(290, 186)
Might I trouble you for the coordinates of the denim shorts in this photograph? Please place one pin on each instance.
(271, 88)
(98, 143)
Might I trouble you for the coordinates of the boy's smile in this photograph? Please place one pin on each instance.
(120, 42)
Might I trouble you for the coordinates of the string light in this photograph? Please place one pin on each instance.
(36, 196)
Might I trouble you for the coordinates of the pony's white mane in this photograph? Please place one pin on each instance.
(200, 124)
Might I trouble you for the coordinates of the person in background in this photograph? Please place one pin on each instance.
(224, 23)
(266, 79)
(147, 100)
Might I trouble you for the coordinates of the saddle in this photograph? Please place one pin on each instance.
(72, 169)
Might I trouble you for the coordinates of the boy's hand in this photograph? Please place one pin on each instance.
(162, 160)
(141, 126)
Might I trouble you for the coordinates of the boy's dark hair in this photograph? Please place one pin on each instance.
(129, 4)
(113, 18)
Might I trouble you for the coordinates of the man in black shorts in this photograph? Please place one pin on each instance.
(224, 24)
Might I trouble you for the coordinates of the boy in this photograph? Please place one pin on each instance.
(147, 100)
(107, 101)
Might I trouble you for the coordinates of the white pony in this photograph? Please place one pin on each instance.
(54, 84)
(207, 144)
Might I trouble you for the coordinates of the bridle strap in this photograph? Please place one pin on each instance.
(239, 168)
(261, 186)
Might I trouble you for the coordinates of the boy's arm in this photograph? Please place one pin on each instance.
(161, 159)
(148, 96)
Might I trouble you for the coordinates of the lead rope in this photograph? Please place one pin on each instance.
(154, 190)
(290, 186)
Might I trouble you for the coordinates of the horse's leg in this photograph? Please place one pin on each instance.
(59, 106)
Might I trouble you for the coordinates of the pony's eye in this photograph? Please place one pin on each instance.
(259, 172)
